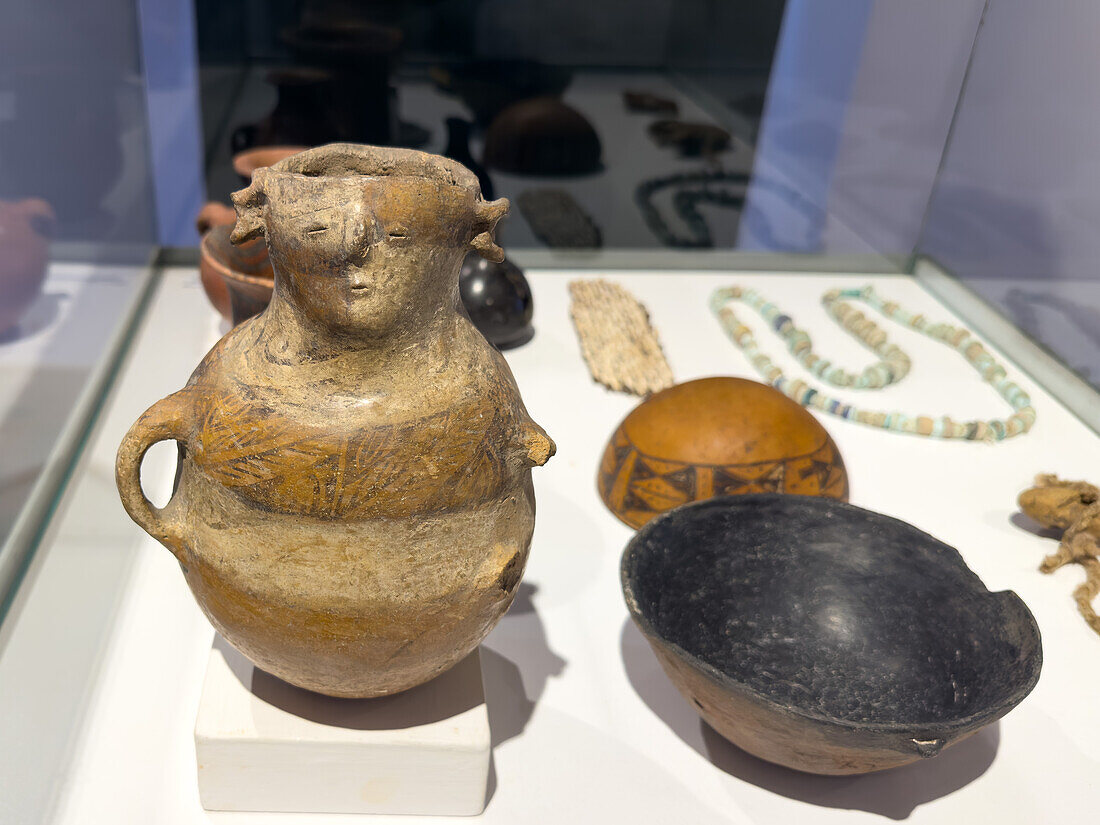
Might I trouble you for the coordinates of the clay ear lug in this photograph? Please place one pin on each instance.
(927, 748)
(503, 569)
(487, 247)
(537, 445)
(488, 213)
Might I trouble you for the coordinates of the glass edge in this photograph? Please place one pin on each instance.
(659, 260)
(34, 518)
(1040, 364)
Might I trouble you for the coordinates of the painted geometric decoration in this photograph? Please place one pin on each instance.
(714, 437)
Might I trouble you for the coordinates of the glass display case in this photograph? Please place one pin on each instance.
(726, 168)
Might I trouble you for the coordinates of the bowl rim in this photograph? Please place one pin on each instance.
(915, 729)
(207, 254)
(244, 161)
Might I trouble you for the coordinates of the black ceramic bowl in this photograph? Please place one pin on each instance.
(825, 637)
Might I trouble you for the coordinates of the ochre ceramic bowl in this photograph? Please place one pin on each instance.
(245, 270)
(248, 161)
(823, 637)
(711, 437)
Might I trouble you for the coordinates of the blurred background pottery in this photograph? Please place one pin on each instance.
(824, 637)
(213, 284)
(542, 136)
(25, 230)
(248, 161)
(237, 280)
(712, 437)
(244, 271)
(360, 55)
(490, 86)
(302, 113)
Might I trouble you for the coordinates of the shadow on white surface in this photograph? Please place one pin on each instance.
(515, 670)
(441, 698)
(893, 793)
(1029, 525)
(516, 665)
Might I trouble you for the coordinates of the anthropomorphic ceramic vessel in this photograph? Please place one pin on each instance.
(354, 505)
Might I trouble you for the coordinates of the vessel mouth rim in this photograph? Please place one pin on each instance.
(354, 160)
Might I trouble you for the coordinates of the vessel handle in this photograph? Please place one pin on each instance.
(165, 420)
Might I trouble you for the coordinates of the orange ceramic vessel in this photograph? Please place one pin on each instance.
(712, 437)
(248, 161)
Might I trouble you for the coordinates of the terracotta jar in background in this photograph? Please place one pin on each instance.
(354, 507)
(25, 230)
(248, 161)
(210, 273)
(243, 272)
(712, 437)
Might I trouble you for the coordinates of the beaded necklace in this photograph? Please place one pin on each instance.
(892, 367)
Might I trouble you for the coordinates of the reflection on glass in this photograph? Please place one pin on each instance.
(566, 110)
(75, 217)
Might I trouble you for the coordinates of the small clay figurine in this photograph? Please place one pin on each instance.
(1072, 506)
(354, 506)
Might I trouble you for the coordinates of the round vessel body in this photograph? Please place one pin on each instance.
(358, 608)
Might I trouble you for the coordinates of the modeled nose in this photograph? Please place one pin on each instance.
(364, 233)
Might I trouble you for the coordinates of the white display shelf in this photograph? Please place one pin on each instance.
(585, 726)
(264, 745)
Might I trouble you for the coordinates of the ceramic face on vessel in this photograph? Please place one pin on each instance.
(365, 252)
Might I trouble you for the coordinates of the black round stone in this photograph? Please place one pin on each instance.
(498, 300)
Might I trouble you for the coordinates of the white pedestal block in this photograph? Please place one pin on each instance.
(264, 745)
